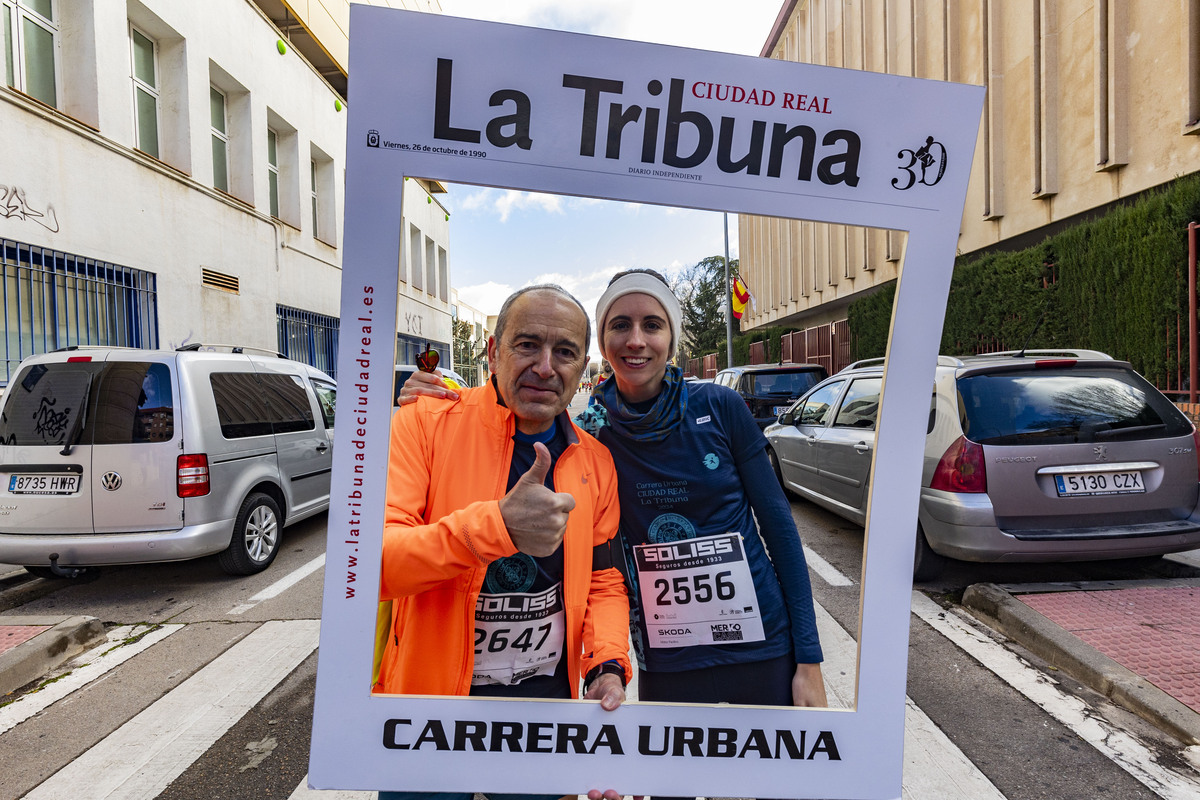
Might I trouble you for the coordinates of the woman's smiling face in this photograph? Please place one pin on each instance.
(637, 339)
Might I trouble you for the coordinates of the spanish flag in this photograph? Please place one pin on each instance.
(741, 297)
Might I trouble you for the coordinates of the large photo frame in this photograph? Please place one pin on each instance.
(537, 110)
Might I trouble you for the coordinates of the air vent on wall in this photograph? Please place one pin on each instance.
(219, 280)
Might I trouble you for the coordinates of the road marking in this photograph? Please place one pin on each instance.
(84, 669)
(1189, 557)
(143, 756)
(304, 793)
(1114, 743)
(824, 569)
(280, 586)
(933, 765)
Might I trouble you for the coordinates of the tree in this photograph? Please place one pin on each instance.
(702, 298)
(464, 348)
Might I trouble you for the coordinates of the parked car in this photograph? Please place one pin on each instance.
(1034, 456)
(404, 370)
(124, 456)
(769, 389)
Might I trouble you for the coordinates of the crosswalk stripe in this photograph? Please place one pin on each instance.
(143, 756)
(1117, 745)
(280, 586)
(86, 669)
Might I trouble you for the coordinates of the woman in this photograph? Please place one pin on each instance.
(713, 618)
(692, 465)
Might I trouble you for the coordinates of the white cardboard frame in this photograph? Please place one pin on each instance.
(391, 134)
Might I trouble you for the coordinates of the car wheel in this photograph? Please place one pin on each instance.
(255, 539)
(779, 473)
(928, 564)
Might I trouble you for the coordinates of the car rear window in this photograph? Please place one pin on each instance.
(1064, 405)
(127, 402)
(790, 384)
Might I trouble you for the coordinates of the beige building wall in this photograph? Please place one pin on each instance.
(1088, 102)
(320, 29)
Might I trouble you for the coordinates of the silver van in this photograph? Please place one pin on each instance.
(125, 456)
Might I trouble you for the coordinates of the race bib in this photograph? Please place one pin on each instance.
(517, 636)
(698, 591)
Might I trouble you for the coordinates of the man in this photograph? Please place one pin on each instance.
(499, 530)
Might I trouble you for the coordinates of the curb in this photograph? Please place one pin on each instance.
(1045, 639)
(31, 660)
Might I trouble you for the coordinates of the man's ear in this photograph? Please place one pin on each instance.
(491, 354)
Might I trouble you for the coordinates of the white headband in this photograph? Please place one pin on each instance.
(640, 283)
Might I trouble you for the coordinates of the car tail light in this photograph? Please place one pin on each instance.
(1050, 363)
(192, 476)
(961, 468)
(1196, 444)
(78, 359)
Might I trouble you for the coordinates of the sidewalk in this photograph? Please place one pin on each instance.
(1135, 642)
(30, 647)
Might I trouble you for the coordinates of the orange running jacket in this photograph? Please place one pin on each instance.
(447, 471)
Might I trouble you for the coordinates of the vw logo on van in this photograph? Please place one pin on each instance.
(111, 481)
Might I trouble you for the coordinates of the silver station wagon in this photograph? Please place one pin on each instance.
(1033, 456)
(126, 456)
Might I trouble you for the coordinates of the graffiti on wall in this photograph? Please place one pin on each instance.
(13, 205)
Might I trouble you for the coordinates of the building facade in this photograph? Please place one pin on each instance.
(1088, 102)
(174, 173)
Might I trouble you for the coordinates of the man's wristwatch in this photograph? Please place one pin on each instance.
(607, 668)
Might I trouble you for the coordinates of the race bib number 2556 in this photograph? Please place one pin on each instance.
(698, 591)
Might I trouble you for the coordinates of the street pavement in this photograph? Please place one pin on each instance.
(1136, 642)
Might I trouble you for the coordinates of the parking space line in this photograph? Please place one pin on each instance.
(933, 765)
(280, 586)
(88, 668)
(147, 753)
(824, 569)
(1114, 743)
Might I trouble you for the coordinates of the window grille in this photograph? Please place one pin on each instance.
(308, 337)
(54, 300)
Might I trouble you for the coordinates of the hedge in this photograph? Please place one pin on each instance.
(1117, 284)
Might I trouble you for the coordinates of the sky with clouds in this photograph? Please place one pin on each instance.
(580, 243)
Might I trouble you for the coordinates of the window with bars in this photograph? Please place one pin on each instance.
(145, 91)
(308, 337)
(31, 46)
(53, 300)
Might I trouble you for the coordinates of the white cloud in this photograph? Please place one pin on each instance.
(503, 202)
(510, 201)
(487, 297)
(706, 24)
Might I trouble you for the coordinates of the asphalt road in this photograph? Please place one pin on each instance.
(1011, 746)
